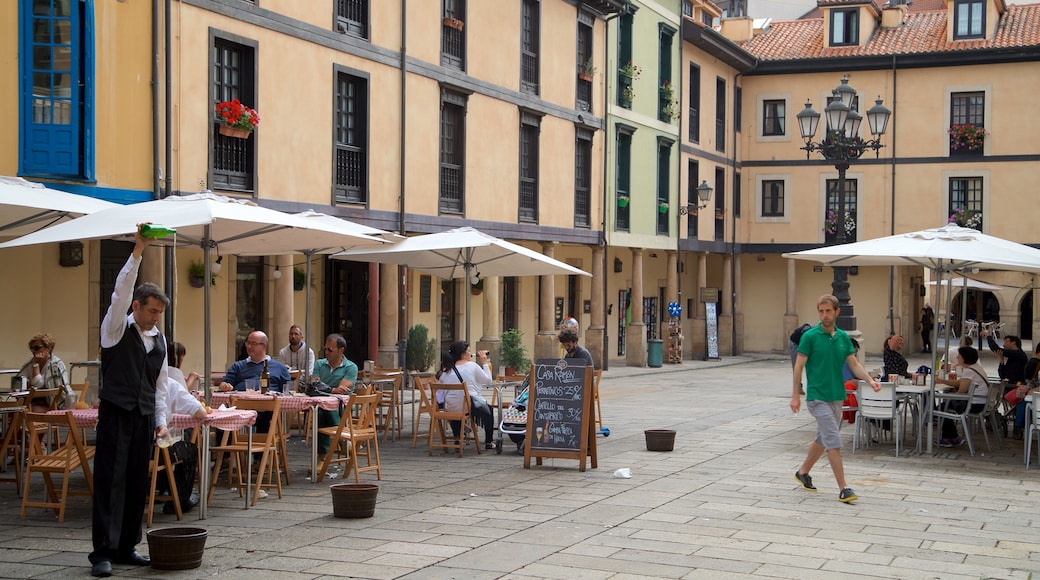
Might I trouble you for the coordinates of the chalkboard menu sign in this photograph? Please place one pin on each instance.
(560, 420)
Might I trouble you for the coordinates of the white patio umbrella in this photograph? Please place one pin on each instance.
(26, 206)
(463, 253)
(943, 250)
(347, 227)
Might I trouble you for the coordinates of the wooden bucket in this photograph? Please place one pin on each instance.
(176, 548)
(354, 500)
(659, 439)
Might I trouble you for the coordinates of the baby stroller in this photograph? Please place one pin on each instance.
(514, 420)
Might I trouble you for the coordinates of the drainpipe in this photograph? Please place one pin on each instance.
(892, 207)
(402, 271)
(733, 228)
(606, 190)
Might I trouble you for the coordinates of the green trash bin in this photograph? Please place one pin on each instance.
(654, 352)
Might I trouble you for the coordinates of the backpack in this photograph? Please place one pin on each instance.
(796, 336)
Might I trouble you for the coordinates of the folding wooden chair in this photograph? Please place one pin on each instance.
(12, 444)
(388, 417)
(235, 446)
(422, 385)
(456, 408)
(595, 397)
(358, 434)
(161, 463)
(70, 455)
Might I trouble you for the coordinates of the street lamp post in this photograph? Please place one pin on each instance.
(704, 196)
(841, 145)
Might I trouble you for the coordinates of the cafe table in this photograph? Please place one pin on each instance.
(223, 420)
(924, 395)
(293, 403)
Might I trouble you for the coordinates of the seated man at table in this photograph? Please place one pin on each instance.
(339, 373)
(297, 354)
(170, 399)
(251, 367)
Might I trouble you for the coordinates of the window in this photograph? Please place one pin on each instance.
(720, 114)
(738, 106)
(966, 195)
(720, 203)
(584, 64)
(233, 160)
(967, 111)
(510, 302)
(529, 132)
(425, 293)
(692, 199)
(351, 133)
(773, 118)
(583, 178)
(530, 30)
(352, 17)
(845, 27)
(622, 219)
(666, 100)
(453, 152)
(57, 89)
(664, 190)
(969, 19)
(832, 222)
(694, 131)
(624, 81)
(772, 198)
(453, 36)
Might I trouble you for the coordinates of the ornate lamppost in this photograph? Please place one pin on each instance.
(704, 195)
(841, 145)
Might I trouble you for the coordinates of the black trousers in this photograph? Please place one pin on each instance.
(125, 440)
(186, 457)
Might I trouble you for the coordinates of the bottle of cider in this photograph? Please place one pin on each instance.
(264, 378)
(156, 231)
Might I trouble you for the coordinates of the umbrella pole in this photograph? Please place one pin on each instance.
(305, 373)
(465, 289)
(206, 366)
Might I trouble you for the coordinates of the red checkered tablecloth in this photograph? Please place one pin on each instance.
(224, 420)
(83, 418)
(293, 404)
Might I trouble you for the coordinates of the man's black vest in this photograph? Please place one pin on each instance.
(129, 372)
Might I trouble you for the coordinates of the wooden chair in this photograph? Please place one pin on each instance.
(81, 390)
(162, 463)
(234, 445)
(387, 416)
(595, 397)
(422, 385)
(50, 398)
(12, 444)
(69, 456)
(358, 434)
(452, 411)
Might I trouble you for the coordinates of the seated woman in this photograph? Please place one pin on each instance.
(457, 367)
(1025, 392)
(895, 364)
(971, 373)
(44, 370)
(175, 398)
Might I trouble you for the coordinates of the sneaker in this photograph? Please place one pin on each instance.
(263, 494)
(1017, 433)
(956, 441)
(489, 446)
(805, 480)
(847, 495)
(946, 443)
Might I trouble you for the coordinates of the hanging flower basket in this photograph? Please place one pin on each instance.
(454, 23)
(967, 137)
(622, 201)
(236, 119)
(662, 207)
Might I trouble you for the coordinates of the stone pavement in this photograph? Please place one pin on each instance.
(723, 504)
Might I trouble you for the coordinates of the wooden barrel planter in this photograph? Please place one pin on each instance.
(659, 439)
(354, 500)
(176, 548)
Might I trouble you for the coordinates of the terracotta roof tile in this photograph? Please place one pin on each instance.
(921, 33)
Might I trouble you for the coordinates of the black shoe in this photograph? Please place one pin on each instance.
(805, 480)
(101, 569)
(134, 559)
(847, 495)
(169, 508)
(489, 446)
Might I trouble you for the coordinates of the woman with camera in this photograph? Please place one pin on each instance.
(457, 367)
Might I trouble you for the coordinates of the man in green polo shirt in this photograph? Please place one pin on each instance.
(822, 352)
(339, 373)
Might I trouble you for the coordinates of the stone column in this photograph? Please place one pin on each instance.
(672, 275)
(545, 343)
(151, 269)
(738, 311)
(635, 334)
(725, 307)
(373, 307)
(596, 334)
(388, 317)
(698, 337)
(284, 314)
(492, 309)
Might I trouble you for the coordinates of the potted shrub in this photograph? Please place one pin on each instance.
(588, 71)
(512, 353)
(197, 273)
(421, 351)
(299, 279)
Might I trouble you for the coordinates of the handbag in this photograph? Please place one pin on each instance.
(316, 388)
(1012, 397)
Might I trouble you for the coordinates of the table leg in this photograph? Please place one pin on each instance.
(204, 473)
(314, 444)
(249, 466)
